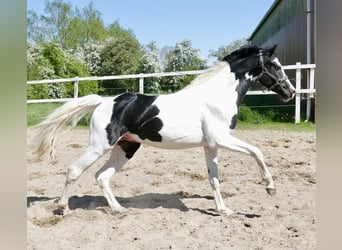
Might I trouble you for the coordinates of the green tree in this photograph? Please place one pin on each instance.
(86, 27)
(94, 29)
(181, 58)
(120, 56)
(57, 20)
(35, 28)
(225, 50)
(49, 61)
(67, 26)
(151, 63)
(116, 30)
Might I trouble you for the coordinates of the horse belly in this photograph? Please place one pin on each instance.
(174, 138)
(182, 138)
(182, 126)
(177, 124)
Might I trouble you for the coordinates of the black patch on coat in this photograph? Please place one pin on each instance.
(242, 89)
(233, 121)
(134, 113)
(244, 60)
(129, 147)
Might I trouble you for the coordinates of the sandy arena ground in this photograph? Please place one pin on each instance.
(169, 201)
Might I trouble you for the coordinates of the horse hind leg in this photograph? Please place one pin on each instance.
(120, 154)
(91, 154)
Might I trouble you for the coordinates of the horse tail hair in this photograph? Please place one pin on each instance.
(71, 112)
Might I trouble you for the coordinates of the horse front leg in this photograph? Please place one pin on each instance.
(211, 159)
(233, 143)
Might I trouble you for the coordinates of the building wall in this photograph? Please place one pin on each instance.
(286, 24)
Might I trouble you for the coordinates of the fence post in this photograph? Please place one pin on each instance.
(310, 86)
(141, 85)
(298, 87)
(74, 123)
(76, 87)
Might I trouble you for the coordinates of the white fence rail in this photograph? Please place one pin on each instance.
(310, 89)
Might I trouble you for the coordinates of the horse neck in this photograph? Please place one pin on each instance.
(215, 77)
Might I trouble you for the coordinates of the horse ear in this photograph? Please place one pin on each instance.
(272, 49)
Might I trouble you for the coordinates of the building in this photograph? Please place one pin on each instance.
(291, 24)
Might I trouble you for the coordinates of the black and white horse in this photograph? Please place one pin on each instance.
(201, 115)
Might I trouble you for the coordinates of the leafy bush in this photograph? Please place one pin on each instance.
(247, 115)
(49, 61)
(120, 56)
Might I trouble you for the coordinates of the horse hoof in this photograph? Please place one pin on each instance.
(226, 212)
(271, 191)
(60, 210)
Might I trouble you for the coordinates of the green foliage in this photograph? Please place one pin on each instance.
(263, 115)
(286, 126)
(49, 61)
(67, 26)
(151, 63)
(225, 50)
(182, 57)
(245, 114)
(37, 112)
(120, 56)
(56, 21)
(91, 25)
(115, 30)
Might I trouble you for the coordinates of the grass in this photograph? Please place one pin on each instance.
(303, 126)
(38, 111)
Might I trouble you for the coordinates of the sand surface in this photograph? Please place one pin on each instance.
(170, 203)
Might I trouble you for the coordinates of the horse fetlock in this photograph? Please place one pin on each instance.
(63, 202)
(118, 208)
(103, 183)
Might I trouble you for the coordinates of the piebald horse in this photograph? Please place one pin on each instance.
(203, 114)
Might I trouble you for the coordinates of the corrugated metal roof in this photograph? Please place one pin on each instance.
(280, 14)
(261, 23)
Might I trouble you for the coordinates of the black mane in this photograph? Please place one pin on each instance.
(243, 60)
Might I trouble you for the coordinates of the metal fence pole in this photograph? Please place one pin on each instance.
(298, 87)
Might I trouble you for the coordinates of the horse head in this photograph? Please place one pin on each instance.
(264, 67)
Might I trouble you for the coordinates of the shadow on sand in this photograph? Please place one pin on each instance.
(143, 201)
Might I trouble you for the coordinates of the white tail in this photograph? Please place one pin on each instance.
(49, 129)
